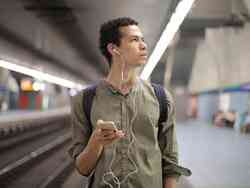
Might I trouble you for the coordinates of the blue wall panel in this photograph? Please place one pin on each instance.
(207, 105)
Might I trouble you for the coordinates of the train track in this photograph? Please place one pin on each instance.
(35, 158)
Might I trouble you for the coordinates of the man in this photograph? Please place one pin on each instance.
(131, 155)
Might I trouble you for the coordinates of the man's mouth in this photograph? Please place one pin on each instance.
(144, 55)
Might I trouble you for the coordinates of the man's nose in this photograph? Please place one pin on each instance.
(143, 45)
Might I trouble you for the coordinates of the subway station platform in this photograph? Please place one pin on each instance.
(218, 157)
(10, 118)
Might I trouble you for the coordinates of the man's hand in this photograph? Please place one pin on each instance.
(169, 183)
(105, 133)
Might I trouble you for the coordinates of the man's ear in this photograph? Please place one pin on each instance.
(110, 48)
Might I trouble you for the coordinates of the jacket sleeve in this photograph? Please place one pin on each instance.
(81, 131)
(168, 144)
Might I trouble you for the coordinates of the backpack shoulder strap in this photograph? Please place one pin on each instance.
(163, 101)
(88, 96)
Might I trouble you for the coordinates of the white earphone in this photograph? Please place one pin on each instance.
(116, 51)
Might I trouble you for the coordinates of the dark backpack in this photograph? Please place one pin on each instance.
(89, 94)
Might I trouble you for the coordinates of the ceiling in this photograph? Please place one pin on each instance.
(61, 36)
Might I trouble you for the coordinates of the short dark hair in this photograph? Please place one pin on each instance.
(109, 33)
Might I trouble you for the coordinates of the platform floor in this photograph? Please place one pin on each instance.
(218, 157)
(20, 115)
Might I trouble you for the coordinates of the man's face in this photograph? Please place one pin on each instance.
(132, 46)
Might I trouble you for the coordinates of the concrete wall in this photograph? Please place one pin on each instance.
(247, 3)
(211, 9)
(222, 9)
(222, 59)
(204, 75)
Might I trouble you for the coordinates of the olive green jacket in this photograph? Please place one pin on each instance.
(141, 159)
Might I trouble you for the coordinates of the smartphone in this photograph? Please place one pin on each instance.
(107, 125)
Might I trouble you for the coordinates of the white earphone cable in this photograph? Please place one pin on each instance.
(110, 172)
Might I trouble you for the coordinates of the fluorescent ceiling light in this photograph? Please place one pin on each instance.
(37, 86)
(40, 75)
(172, 27)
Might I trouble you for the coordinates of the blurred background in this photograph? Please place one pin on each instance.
(49, 52)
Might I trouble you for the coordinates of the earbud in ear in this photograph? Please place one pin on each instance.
(116, 51)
